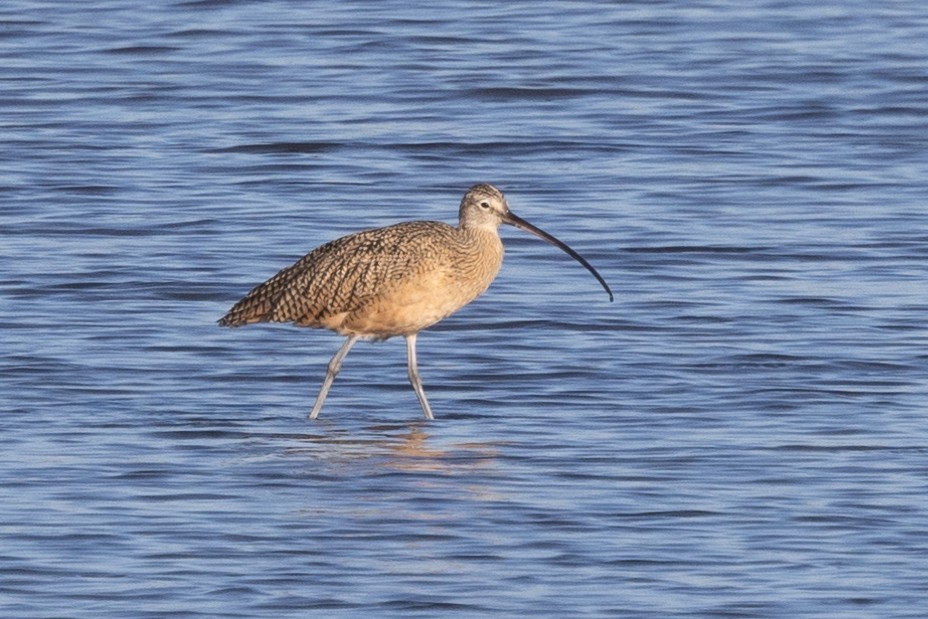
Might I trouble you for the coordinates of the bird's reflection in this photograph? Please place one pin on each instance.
(413, 452)
(399, 447)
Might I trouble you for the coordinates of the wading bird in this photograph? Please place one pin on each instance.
(396, 280)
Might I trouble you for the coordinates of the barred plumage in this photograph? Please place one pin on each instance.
(338, 285)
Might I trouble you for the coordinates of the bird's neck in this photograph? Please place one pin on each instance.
(483, 241)
(484, 227)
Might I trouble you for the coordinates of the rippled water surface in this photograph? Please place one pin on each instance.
(743, 433)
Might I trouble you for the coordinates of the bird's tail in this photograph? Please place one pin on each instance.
(244, 312)
(256, 306)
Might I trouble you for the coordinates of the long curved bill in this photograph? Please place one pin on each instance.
(514, 220)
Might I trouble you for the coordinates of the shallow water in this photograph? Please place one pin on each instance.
(741, 434)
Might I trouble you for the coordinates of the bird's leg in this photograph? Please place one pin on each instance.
(335, 364)
(414, 375)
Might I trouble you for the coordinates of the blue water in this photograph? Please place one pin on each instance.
(743, 433)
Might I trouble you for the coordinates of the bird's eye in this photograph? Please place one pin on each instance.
(484, 204)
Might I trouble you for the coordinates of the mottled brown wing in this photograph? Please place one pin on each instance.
(340, 276)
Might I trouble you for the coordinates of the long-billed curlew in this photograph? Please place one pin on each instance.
(391, 281)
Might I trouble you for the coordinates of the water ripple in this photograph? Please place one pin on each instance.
(740, 434)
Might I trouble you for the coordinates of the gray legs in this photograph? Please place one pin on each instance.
(335, 364)
(414, 375)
